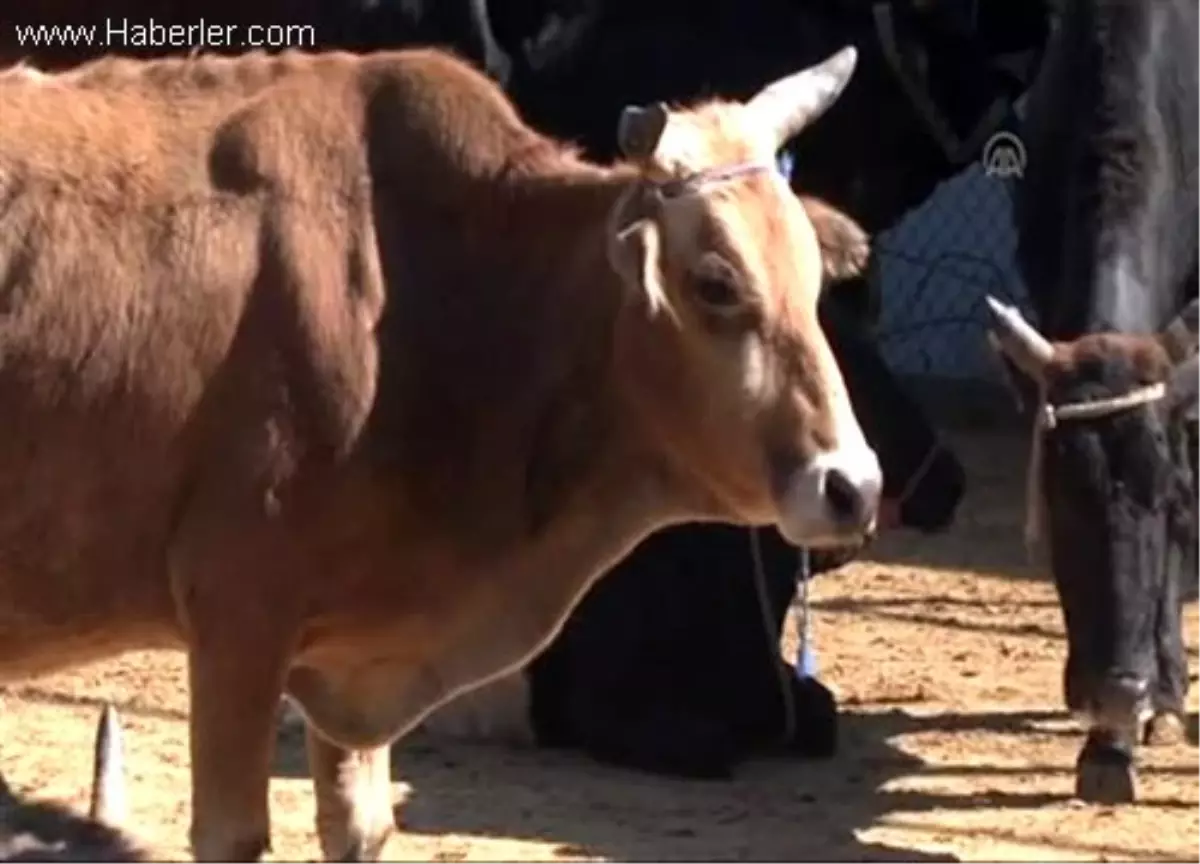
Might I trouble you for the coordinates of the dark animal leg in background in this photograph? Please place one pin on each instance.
(1171, 681)
(1191, 564)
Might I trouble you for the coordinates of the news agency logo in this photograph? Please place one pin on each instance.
(1004, 156)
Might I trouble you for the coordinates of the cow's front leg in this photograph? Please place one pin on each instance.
(353, 789)
(235, 687)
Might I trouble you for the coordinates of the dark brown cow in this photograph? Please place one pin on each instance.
(40, 831)
(332, 372)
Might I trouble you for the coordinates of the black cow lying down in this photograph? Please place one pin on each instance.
(42, 831)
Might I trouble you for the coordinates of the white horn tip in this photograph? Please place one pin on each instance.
(844, 61)
(998, 307)
(109, 804)
(837, 69)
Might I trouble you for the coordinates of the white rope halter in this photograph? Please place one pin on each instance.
(1047, 418)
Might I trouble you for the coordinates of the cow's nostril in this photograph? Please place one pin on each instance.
(843, 498)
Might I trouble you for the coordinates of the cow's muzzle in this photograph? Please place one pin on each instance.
(834, 500)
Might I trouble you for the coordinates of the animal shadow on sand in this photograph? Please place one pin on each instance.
(48, 831)
(774, 808)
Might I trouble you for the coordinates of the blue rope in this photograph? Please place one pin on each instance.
(806, 656)
(785, 161)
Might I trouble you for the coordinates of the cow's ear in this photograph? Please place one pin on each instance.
(845, 246)
(634, 249)
(1183, 385)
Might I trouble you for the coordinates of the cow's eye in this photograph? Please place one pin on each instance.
(717, 293)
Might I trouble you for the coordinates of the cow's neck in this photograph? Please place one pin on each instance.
(544, 432)
(588, 448)
(540, 490)
(1129, 187)
(530, 496)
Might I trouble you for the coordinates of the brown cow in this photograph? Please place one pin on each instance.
(40, 831)
(332, 372)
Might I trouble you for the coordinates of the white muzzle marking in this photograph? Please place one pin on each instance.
(834, 500)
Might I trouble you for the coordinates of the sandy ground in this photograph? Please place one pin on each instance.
(946, 654)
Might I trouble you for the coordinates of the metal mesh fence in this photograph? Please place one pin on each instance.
(934, 269)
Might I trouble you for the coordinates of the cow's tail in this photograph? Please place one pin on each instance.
(109, 801)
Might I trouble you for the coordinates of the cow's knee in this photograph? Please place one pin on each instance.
(233, 703)
(816, 719)
(353, 790)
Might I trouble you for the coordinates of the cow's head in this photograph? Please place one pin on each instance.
(1111, 496)
(734, 377)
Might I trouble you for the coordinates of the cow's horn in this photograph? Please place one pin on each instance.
(1019, 339)
(1179, 338)
(109, 803)
(639, 129)
(791, 103)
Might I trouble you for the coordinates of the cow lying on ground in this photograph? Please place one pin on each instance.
(39, 831)
(332, 372)
(1106, 215)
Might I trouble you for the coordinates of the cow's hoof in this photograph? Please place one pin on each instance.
(1165, 729)
(816, 734)
(1105, 773)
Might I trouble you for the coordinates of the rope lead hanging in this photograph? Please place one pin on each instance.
(806, 655)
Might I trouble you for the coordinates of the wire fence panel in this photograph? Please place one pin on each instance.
(935, 268)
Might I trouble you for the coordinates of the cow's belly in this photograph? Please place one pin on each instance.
(80, 580)
(52, 619)
(87, 484)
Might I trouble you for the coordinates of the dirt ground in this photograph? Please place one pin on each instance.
(946, 654)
